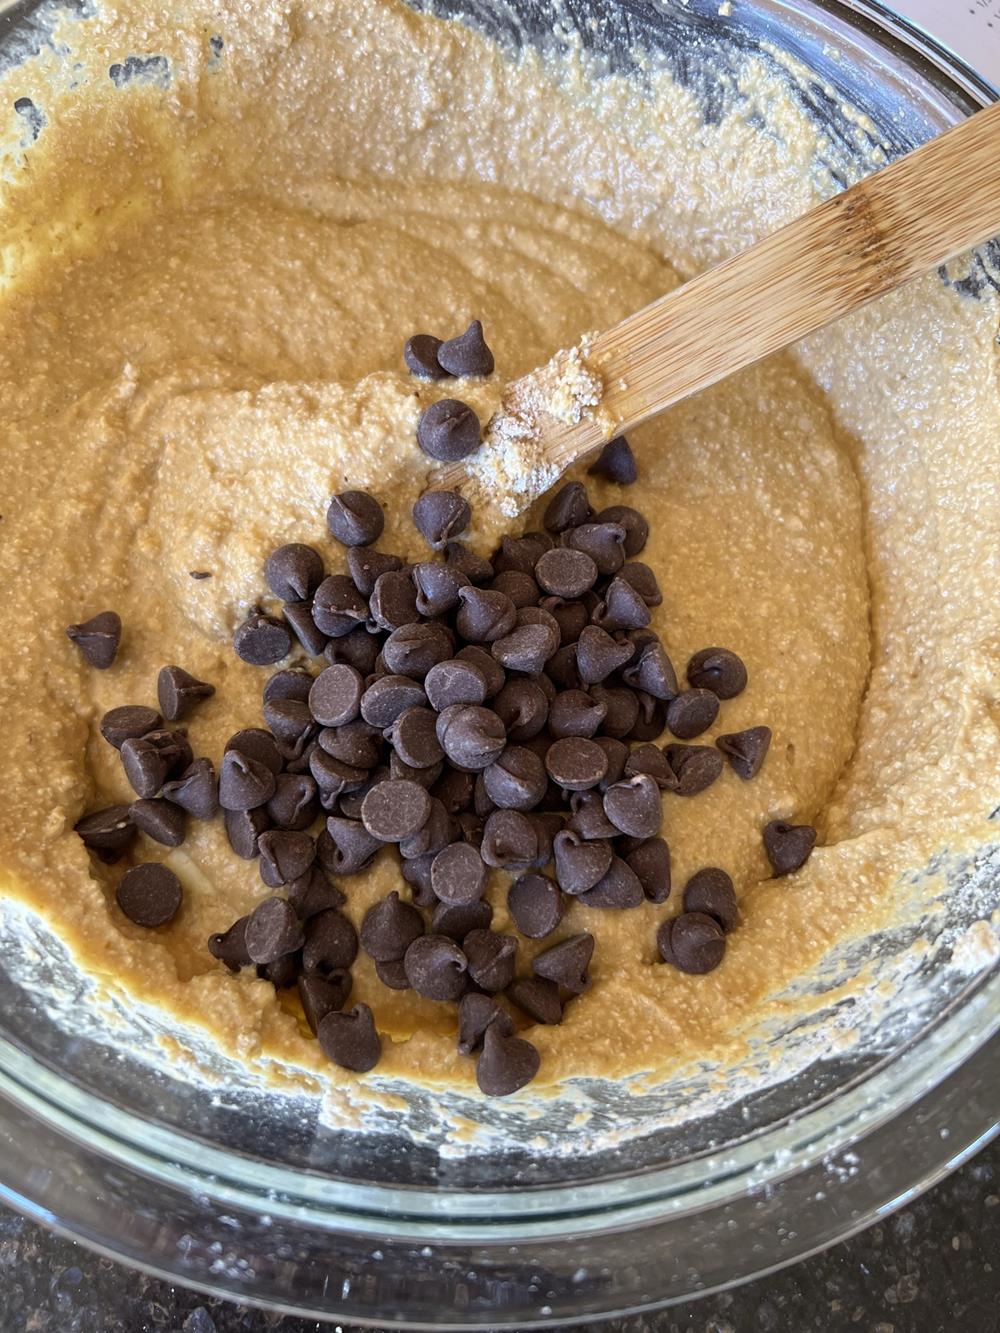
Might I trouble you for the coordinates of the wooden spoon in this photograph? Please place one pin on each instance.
(900, 222)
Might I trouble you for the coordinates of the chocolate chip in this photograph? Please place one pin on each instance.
(291, 724)
(355, 518)
(338, 608)
(300, 620)
(652, 672)
(472, 737)
(651, 760)
(335, 696)
(412, 650)
(562, 670)
(535, 905)
(178, 692)
(199, 573)
(745, 750)
(420, 354)
(331, 943)
(257, 744)
(441, 516)
(521, 554)
(621, 710)
(149, 894)
(588, 818)
(313, 893)
(159, 820)
(272, 931)
(392, 975)
(575, 713)
(493, 673)
(523, 707)
(288, 683)
(788, 846)
(448, 430)
(466, 354)
(618, 890)
(129, 722)
(510, 840)
(149, 760)
(244, 783)
(476, 568)
(576, 763)
(635, 526)
(454, 790)
(436, 588)
(696, 767)
(566, 963)
(426, 776)
(598, 655)
(571, 617)
(454, 681)
(366, 567)
(484, 616)
(650, 862)
(389, 928)
(692, 712)
(458, 875)
(547, 824)
(517, 781)
(243, 828)
(394, 810)
(261, 640)
(711, 892)
(521, 588)
(718, 670)
(230, 946)
(506, 1063)
(651, 720)
(358, 649)
(350, 1039)
(491, 958)
(97, 638)
(284, 856)
(527, 647)
(693, 942)
(564, 572)
(319, 996)
(579, 864)
(436, 967)
(617, 753)
(643, 580)
(107, 832)
(616, 462)
(568, 508)
(622, 608)
(294, 572)
(436, 834)
(393, 602)
(334, 776)
(456, 920)
(539, 998)
(603, 542)
(357, 743)
(385, 699)
(475, 1014)
(633, 806)
(414, 738)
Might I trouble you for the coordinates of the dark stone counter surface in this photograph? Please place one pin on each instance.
(933, 1266)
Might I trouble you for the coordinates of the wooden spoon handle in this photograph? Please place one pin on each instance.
(896, 224)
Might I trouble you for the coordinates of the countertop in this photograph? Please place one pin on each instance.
(932, 1266)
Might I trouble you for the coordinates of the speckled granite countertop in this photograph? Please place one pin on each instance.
(933, 1266)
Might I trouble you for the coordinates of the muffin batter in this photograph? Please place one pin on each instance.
(203, 343)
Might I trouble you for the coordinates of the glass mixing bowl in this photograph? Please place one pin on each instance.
(214, 1184)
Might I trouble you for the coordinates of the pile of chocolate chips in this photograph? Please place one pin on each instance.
(475, 714)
